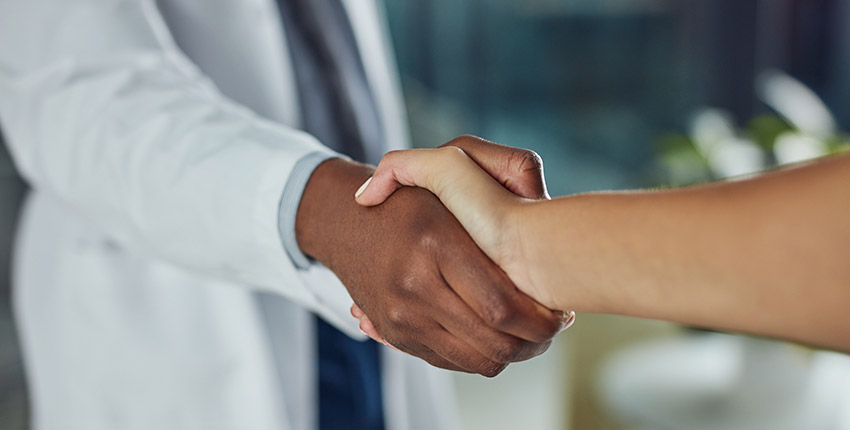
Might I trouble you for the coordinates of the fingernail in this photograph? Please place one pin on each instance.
(362, 188)
(568, 320)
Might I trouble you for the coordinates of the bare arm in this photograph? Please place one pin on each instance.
(766, 255)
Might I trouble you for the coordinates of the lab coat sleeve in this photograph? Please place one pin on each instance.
(101, 111)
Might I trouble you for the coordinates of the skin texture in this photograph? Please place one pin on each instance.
(411, 265)
(766, 255)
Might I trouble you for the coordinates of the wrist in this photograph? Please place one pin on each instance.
(520, 249)
(328, 197)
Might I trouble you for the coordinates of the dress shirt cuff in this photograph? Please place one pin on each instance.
(290, 200)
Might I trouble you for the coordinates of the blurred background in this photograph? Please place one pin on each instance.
(616, 94)
(619, 94)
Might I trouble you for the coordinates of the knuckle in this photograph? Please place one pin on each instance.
(452, 152)
(386, 163)
(428, 238)
(500, 314)
(405, 342)
(392, 154)
(492, 369)
(553, 327)
(436, 362)
(409, 285)
(528, 161)
(542, 348)
(507, 350)
(395, 316)
(550, 326)
(403, 346)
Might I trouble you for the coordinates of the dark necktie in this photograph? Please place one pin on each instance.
(338, 108)
(337, 105)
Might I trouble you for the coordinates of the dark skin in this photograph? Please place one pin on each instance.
(428, 289)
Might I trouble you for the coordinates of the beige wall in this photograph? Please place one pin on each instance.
(557, 390)
(594, 339)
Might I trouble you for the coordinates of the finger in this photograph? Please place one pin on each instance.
(458, 352)
(418, 349)
(436, 360)
(442, 171)
(414, 166)
(519, 170)
(356, 312)
(488, 291)
(493, 344)
(432, 337)
(368, 329)
(569, 319)
(497, 346)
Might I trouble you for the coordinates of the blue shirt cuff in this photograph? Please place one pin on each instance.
(290, 200)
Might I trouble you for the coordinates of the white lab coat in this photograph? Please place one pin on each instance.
(157, 138)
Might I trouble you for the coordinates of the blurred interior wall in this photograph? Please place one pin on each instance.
(726, 44)
(586, 84)
(594, 83)
(840, 66)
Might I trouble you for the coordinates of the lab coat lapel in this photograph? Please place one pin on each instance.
(241, 45)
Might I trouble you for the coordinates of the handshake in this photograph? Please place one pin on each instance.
(458, 256)
(436, 272)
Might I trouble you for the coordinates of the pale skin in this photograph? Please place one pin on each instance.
(768, 255)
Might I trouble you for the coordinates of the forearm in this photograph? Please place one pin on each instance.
(766, 256)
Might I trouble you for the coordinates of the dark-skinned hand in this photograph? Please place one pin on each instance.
(408, 264)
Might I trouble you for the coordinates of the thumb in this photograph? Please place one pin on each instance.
(447, 172)
(471, 194)
(413, 167)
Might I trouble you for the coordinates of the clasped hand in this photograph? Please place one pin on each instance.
(483, 184)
